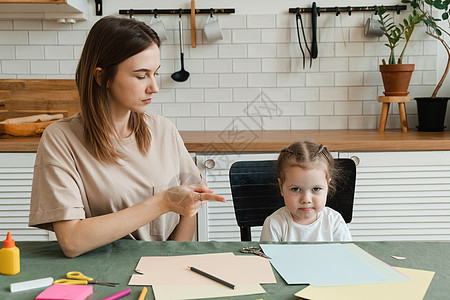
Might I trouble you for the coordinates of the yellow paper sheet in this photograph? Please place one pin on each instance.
(411, 290)
(172, 270)
(162, 292)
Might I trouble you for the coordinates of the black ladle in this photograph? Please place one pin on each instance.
(181, 75)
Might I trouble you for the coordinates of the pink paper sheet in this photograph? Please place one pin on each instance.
(172, 270)
(66, 292)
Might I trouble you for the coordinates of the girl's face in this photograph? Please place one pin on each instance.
(305, 193)
(135, 83)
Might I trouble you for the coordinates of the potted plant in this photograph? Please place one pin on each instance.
(396, 75)
(431, 110)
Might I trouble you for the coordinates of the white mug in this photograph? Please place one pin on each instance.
(158, 26)
(373, 26)
(212, 29)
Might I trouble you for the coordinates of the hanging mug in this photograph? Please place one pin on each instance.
(212, 29)
(373, 26)
(158, 26)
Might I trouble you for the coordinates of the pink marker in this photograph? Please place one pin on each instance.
(118, 295)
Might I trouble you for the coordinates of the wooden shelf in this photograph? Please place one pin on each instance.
(58, 10)
(335, 140)
(58, 95)
(275, 140)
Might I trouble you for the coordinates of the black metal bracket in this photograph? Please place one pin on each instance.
(347, 9)
(98, 7)
(177, 11)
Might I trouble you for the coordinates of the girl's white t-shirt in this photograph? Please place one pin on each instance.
(329, 227)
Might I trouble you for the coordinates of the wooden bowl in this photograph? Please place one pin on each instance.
(25, 129)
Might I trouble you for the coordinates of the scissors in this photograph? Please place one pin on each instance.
(255, 250)
(75, 277)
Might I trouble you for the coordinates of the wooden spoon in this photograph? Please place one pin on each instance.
(193, 37)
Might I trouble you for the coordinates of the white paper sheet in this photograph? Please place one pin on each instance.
(329, 265)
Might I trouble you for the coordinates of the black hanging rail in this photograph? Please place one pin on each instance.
(176, 11)
(346, 9)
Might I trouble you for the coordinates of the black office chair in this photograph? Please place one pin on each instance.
(256, 194)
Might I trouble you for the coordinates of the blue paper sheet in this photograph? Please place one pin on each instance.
(329, 265)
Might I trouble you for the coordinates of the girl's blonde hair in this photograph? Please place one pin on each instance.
(308, 155)
(110, 41)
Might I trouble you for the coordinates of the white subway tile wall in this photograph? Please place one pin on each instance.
(252, 79)
(6, 24)
(7, 52)
(29, 52)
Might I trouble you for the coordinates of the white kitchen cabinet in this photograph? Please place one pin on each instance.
(216, 220)
(16, 174)
(399, 196)
(402, 196)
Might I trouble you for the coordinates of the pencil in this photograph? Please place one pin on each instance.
(143, 293)
(227, 284)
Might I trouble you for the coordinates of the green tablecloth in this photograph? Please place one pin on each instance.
(116, 262)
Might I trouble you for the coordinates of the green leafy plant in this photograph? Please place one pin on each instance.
(396, 32)
(433, 27)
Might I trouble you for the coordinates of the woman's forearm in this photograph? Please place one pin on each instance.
(79, 236)
(185, 229)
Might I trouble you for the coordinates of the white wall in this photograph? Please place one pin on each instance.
(253, 79)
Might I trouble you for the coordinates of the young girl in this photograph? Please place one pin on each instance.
(305, 176)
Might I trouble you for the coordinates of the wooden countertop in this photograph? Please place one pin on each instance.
(61, 96)
(275, 140)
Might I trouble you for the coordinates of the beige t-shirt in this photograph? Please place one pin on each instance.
(71, 184)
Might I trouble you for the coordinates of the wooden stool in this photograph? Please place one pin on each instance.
(387, 100)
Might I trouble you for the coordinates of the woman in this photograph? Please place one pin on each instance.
(112, 171)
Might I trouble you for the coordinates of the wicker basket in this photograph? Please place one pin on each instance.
(24, 129)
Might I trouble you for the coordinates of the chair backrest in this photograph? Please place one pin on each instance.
(256, 194)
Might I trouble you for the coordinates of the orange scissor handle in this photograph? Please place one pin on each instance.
(74, 277)
(70, 282)
(78, 275)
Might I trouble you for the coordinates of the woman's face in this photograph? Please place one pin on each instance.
(134, 84)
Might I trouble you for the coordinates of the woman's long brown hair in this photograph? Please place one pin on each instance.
(110, 41)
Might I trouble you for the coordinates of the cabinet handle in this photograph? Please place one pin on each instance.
(210, 163)
(355, 159)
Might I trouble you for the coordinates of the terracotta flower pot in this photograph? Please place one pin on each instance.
(396, 78)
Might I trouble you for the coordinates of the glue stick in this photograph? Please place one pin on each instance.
(9, 257)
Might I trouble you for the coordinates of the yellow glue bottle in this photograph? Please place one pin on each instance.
(9, 257)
